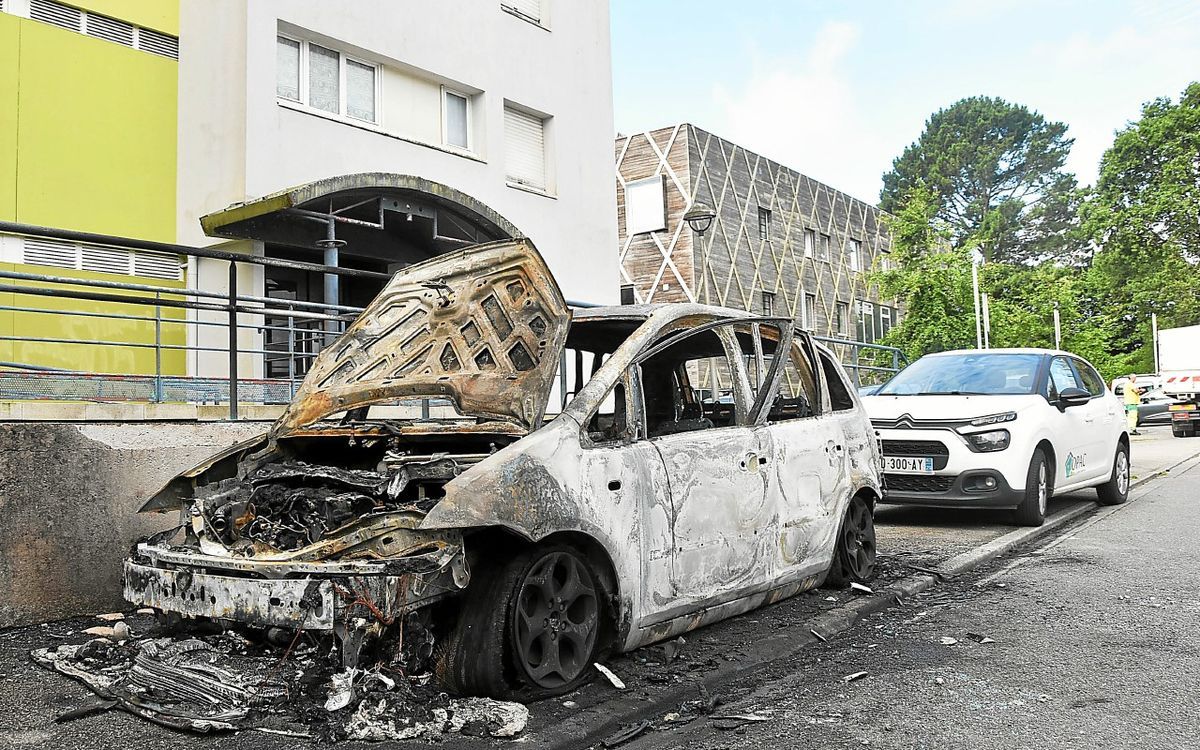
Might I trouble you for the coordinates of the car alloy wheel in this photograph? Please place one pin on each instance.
(858, 541)
(1122, 472)
(555, 620)
(1043, 488)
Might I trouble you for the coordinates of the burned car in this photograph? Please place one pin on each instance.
(570, 492)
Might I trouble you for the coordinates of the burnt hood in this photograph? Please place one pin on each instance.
(482, 326)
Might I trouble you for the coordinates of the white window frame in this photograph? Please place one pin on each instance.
(809, 312)
(632, 190)
(764, 223)
(825, 248)
(855, 247)
(342, 114)
(841, 311)
(810, 243)
(885, 320)
(469, 98)
(548, 189)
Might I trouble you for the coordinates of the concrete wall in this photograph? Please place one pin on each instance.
(68, 496)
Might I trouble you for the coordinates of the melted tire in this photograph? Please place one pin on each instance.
(855, 552)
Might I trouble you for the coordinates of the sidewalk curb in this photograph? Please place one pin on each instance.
(788, 643)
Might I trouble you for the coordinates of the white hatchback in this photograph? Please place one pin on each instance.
(1000, 428)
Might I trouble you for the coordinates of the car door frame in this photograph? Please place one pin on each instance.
(760, 577)
(1066, 422)
(1102, 448)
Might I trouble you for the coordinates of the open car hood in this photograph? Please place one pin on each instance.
(482, 326)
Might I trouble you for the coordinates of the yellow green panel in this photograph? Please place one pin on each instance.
(10, 46)
(97, 125)
(160, 15)
(57, 323)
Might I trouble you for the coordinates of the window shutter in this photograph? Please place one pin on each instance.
(158, 43)
(529, 8)
(40, 252)
(57, 14)
(525, 148)
(111, 29)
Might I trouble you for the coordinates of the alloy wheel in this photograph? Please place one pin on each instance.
(1122, 472)
(858, 540)
(1042, 488)
(556, 620)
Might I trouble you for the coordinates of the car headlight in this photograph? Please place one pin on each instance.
(1007, 416)
(986, 442)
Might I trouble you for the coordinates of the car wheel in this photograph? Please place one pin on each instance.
(1182, 431)
(854, 554)
(1116, 490)
(530, 630)
(1038, 488)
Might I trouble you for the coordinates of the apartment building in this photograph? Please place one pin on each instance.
(438, 124)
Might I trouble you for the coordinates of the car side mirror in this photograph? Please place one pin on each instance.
(1073, 397)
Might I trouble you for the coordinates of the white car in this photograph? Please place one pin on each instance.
(1000, 428)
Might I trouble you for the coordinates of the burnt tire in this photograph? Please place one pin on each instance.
(855, 550)
(1039, 486)
(1116, 490)
(529, 629)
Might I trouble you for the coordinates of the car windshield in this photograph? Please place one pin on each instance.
(972, 374)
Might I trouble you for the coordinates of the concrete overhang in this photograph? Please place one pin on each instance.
(372, 212)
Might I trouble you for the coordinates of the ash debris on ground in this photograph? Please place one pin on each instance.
(221, 682)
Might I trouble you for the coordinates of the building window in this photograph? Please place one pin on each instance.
(627, 297)
(841, 318)
(525, 148)
(810, 242)
(645, 206)
(764, 223)
(456, 119)
(325, 79)
(854, 247)
(530, 10)
(885, 320)
(866, 322)
(768, 303)
(810, 311)
(824, 248)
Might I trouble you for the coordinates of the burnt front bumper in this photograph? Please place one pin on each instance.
(288, 594)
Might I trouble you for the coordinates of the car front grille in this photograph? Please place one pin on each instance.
(934, 448)
(917, 483)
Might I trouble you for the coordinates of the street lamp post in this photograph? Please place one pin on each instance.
(976, 260)
(700, 217)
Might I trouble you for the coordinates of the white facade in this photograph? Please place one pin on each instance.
(250, 125)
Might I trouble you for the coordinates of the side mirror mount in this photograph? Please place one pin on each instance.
(1069, 397)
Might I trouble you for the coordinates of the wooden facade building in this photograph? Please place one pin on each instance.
(781, 243)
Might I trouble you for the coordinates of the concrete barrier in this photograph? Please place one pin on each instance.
(69, 492)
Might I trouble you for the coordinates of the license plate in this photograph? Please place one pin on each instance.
(908, 464)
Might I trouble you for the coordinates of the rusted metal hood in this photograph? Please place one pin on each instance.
(482, 326)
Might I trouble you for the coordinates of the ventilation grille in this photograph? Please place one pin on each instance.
(51, 253)
(57, 14)
(158, 43)
(103, 27)
(110, 29)
(102, 259)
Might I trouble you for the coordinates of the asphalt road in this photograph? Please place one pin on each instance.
(985, 688)
(1097, 645)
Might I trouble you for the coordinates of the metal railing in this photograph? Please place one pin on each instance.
(851, 353)
(293, 331)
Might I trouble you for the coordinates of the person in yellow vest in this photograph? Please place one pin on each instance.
(1132, 399)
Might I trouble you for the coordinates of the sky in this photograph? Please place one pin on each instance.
(837, 90)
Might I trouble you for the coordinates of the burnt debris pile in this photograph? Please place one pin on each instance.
(227, 681)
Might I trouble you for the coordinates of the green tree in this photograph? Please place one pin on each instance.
(996, 170)
(1145, 218)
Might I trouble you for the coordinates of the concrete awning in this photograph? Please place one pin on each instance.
(377, 214)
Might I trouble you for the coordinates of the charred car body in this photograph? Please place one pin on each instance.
(523, 544)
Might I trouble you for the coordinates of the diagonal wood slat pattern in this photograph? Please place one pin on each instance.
(732, 264)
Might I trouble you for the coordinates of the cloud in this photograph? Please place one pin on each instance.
(803, 113)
